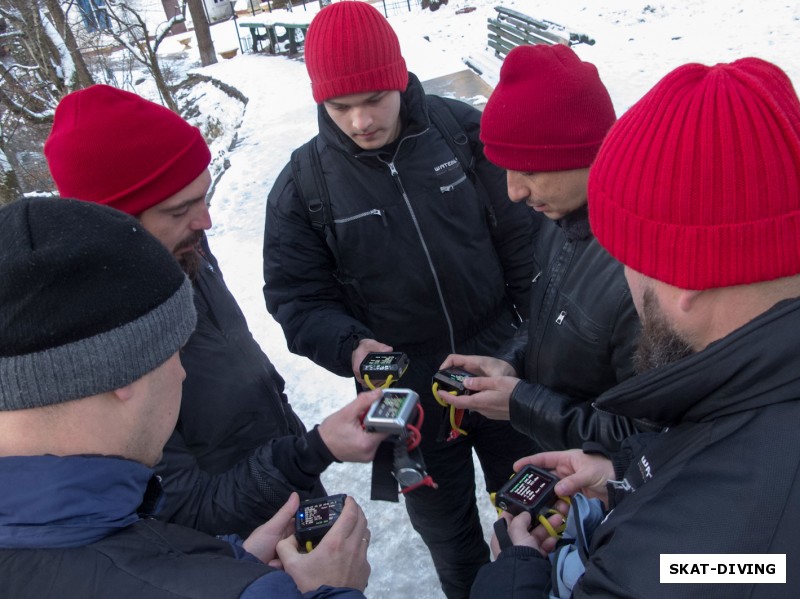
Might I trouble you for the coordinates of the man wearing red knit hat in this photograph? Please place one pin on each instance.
(544, 123)
(238, 449)
(696, 190)
(391, 231)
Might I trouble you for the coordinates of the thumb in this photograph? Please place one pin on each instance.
(478, 383)
(364, 400)
(287, 549)
(286, 512)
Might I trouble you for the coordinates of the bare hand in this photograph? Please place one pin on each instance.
(364, 347)
(479, 365)
(340, 559)
(538, 538)
(263, 541)
(489, 396)
(343, 434)
(579, 472)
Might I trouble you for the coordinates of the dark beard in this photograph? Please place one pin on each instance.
(190, 263)
(659, 344)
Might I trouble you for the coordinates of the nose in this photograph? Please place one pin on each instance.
(517, 190)
(362, 118)
(201, 220)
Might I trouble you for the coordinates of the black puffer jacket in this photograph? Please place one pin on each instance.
(579, 341)
(238, 449)
(419, 267)
(722, 479)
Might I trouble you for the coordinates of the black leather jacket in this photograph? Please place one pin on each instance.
(579, 341)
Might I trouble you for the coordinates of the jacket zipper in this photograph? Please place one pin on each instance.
(396, 177)
(373, 212)
(451, 187)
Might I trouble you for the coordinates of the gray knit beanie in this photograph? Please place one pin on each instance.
(89, 302)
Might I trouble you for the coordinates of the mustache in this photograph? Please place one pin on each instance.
(189, 242)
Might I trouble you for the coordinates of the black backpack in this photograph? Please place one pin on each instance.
(313, 191)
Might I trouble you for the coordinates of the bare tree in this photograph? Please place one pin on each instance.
(40, 66)
(130, 29)
(202, 32)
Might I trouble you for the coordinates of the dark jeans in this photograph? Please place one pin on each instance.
(447, 518)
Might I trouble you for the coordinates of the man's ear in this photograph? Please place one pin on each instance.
(687, 299)
(125, 393)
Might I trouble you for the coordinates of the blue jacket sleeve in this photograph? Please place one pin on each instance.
(279, 585)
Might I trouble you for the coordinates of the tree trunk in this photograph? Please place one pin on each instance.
(9, 185)
(83, 78)
(202, 32)
(161, 84)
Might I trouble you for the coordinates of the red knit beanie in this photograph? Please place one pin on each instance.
(113, 147)
(698, 184)
(549, 111)
(351, 49)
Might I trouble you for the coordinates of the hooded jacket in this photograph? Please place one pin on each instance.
(721, 479)
(419, 265)
(80, 526)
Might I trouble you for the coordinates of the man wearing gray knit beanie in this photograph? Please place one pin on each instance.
(93, 313)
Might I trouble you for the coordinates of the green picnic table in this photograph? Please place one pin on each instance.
(274, 34)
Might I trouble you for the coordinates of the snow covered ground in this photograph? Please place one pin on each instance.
(636, 44)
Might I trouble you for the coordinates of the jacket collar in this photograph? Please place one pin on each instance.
(576, 224)
(754, 366)
(71, 501)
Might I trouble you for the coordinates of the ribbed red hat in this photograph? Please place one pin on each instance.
(698, 184)
(351, 49)
(112, 147)
(549, 111)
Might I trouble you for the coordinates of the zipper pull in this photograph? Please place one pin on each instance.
(561, 317)
(392, 169)
(382, 214)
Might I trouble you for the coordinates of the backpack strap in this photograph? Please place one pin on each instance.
(313, 191)
(445, 121)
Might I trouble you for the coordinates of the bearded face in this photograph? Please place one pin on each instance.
(186, 253)
(659, 343)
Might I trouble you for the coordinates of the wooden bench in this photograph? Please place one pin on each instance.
(511, 29)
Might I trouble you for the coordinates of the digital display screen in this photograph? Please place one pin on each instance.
(380, 362)
(390, 405)
(530, 488)
(452, 379)
(318, 514)
(458, 375)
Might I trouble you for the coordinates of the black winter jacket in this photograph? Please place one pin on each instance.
(578, 343)
(419, 267)
(722, 479)
(238, 449)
